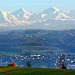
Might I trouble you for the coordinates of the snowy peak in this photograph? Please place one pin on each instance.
(54, 13)
(3, 16)
(21, 14)
(52, 10)
(51, 13)
(22, 9)
(56, 10)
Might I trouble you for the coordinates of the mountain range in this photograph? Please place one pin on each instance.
(52, 18)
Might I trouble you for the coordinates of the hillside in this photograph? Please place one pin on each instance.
(21, 41)
(34, 71)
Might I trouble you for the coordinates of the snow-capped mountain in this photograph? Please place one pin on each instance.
(51, 13)
(49, 17)
(21, 14)
(3, 17)
(54, 13)
(16, 17)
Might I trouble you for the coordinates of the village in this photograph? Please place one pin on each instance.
(45, 61)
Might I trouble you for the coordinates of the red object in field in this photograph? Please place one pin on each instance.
(14, 64)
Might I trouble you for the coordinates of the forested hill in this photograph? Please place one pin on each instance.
(62, 39)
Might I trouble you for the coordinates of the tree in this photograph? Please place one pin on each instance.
(61, 62)
(29, 64)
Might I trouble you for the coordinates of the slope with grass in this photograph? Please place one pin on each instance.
(34, 71)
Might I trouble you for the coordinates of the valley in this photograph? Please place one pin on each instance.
(42, 47)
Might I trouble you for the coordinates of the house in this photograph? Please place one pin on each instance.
(12, 64)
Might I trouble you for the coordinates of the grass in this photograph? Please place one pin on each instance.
(34, 71)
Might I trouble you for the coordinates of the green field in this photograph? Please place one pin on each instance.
(42, 50)
(34, 71)
(39, 49)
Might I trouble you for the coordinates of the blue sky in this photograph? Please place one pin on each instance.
(37, 5)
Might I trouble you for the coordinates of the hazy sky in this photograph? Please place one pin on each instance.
(37, 5)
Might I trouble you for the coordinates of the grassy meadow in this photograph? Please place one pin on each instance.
(5, 70)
